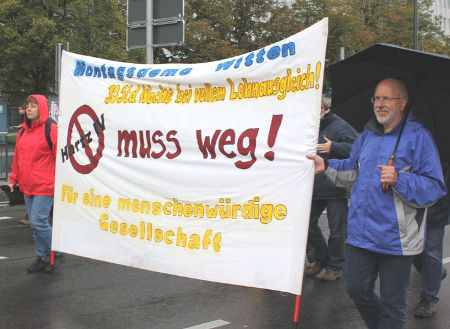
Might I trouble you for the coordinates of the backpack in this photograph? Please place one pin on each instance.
(48, 124)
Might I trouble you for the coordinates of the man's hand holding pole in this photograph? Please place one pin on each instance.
(389, 174)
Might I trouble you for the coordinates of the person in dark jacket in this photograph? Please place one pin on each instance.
(33, 168)
(429, 262)
(335, 141)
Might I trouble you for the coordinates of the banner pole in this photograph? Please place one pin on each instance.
(52, 258)
(149, 31)
(297, 310)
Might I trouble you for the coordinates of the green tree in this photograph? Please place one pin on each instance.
(250, 19)
(215, 29)
(341, 24)
(207, 33)
(392, 22)
(30, 30)
(356, 25)
(97, 28)
(282, 24)
(27, 35)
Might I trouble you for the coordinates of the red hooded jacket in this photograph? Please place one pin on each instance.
(33, 167)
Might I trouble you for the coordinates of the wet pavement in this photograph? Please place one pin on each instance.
(85, 293)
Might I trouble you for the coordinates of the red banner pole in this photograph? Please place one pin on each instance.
(52, 258)
(296, 311)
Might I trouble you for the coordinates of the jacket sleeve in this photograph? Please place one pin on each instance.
(344, 172)
(341, 148)
(424, 183)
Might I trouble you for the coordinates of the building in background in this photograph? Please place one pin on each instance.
(441, 10)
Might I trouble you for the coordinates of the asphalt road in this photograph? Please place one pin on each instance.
(85, 293)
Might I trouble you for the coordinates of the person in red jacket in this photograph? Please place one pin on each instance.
(33, 168)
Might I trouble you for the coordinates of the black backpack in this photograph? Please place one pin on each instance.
(48, 124)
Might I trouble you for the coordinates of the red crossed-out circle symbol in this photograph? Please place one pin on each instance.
(94, 159)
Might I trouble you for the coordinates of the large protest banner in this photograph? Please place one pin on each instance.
(197, 170)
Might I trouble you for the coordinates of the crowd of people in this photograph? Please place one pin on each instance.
(396, 218)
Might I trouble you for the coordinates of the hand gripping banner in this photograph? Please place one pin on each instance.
(196, 170)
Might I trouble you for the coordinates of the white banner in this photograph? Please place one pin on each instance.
(197, 170)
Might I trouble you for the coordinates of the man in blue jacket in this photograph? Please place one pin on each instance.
(386, 229)
(335, 141)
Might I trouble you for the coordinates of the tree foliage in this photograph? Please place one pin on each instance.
(215, 29)
(31, 29)
(27, 36)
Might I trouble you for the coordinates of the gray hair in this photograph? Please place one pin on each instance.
(403, 90)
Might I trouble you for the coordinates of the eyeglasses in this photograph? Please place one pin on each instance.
(384, 99)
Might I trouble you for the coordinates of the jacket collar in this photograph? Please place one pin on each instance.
(374, 126)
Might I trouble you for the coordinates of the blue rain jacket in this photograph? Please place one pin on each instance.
(393, 222)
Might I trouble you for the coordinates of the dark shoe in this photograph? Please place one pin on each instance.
(426, 307)
(58, 260)
(444, 273)
(49, 268)
(312, 271)
(330, 276)
(38, 265)
(310, 255)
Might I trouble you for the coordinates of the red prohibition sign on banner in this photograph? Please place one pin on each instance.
(94, 159)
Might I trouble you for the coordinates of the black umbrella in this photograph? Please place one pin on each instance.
(427, 77)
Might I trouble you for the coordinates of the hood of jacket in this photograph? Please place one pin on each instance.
(43, 111)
